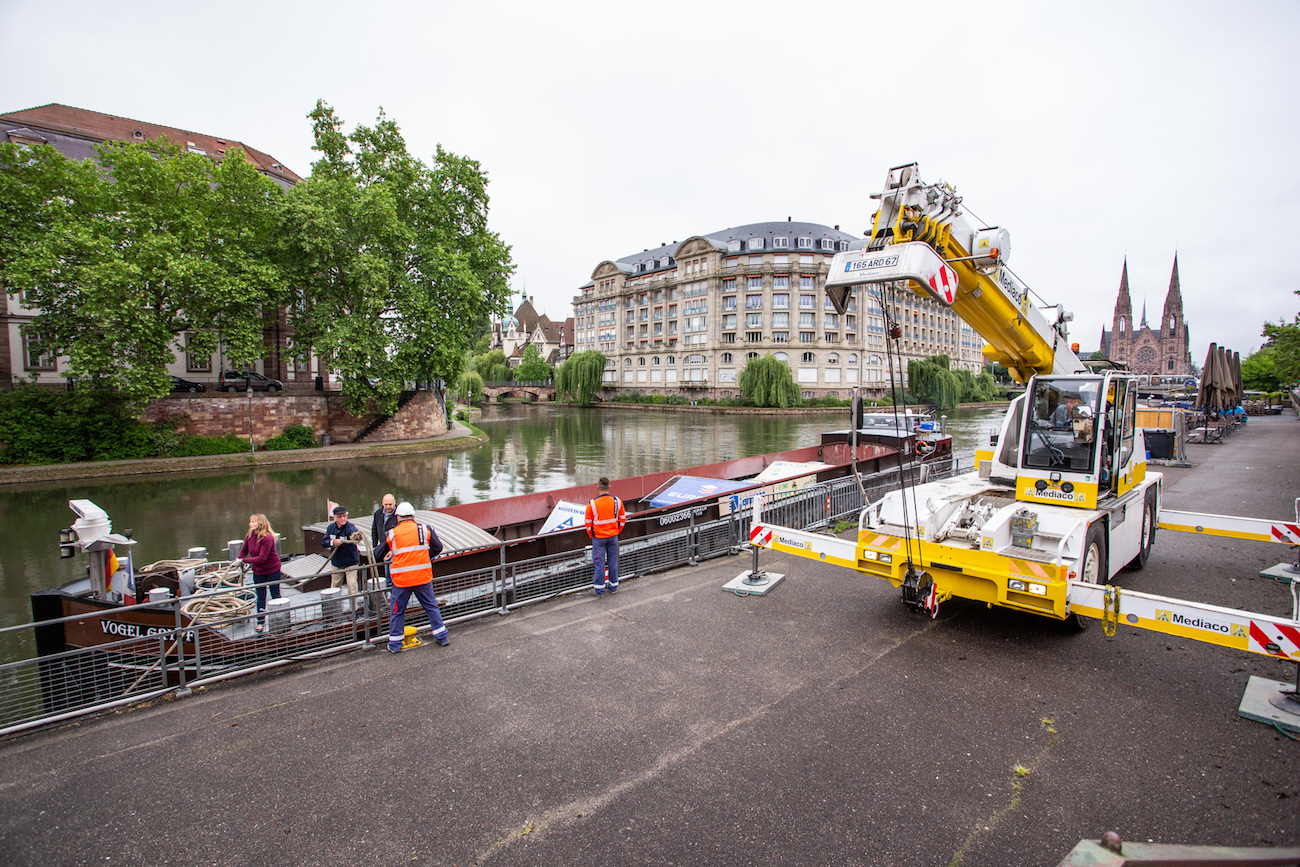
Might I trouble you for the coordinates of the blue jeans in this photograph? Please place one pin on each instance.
(605, 553)
(260, 585)
(397, 617)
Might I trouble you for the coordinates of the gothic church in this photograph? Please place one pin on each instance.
(1164, 350)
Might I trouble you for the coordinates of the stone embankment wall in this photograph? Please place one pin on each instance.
(423, 416)
(225, 413)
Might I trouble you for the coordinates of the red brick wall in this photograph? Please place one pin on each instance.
(220, 413)
(423, 416)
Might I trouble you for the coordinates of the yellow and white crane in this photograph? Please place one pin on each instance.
(1064, 500)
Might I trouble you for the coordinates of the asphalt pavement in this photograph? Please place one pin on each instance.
(676, 723)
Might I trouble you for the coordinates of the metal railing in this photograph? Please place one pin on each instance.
(149, 661)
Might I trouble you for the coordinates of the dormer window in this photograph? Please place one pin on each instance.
(805, 244)
(783, 243)
(734, 245)
(828, 244)
(755, 243)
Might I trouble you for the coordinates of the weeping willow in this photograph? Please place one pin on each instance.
(931, 381)
(768, 382)
(580, 377)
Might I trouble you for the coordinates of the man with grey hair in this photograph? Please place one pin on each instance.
(384, 519)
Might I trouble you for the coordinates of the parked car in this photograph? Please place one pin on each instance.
(179, 384)
(242, 380)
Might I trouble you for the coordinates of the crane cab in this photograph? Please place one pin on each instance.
(1072, 441)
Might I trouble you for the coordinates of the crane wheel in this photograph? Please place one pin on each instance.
(1092, 570)
(1148, 531)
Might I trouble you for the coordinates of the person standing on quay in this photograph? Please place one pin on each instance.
(259, 554)
(338, 539)
(605, 520)
(384, 519)
(410, 549)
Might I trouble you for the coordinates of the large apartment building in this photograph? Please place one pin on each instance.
(685, 318)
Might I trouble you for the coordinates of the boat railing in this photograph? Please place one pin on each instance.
(143, 661)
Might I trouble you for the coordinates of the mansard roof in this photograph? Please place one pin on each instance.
(664, 256)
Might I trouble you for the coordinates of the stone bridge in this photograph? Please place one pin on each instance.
(535, 391)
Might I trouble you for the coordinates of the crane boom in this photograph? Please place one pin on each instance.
(921, 237)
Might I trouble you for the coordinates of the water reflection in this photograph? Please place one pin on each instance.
(531, 448)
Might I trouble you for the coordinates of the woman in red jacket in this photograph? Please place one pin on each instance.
(258, 552)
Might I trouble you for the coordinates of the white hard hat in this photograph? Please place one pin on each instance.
(405, 510)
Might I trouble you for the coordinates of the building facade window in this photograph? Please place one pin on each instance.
(35, 356)
(199, 363)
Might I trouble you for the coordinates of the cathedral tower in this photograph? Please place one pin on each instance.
(1162, 351)
(1121, 331)
(1174, 337)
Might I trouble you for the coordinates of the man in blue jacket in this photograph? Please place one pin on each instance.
(344, 554)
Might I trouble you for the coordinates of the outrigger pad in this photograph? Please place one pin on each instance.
(1283, 572)
(738, 586)
(1263, 702)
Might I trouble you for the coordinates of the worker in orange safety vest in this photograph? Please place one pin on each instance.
(410, 548)
(605, 520)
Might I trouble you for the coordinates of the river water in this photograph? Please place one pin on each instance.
(531, 448)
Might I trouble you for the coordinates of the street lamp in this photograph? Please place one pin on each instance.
(251, 447)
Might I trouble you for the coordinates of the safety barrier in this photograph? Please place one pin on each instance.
(153, 660)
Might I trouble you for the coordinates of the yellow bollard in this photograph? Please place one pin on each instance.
(410, 640)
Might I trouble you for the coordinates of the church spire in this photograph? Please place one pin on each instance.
(1123, 305)
(1174, 298)
(1144, 314)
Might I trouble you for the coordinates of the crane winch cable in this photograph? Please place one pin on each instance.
(892, 335)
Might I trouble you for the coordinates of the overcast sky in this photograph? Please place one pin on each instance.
(1091, 131)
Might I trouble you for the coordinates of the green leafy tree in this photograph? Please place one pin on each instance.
(470, 387)
(1259, 371)
(129, 257)
(581, 377)
(393, 258)
(1284, 346)
(932, 381)
(494, 360)
(532, 368)
(768, 382)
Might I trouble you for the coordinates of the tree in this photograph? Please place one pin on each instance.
(1259, 370)
(1284, 346)
(491, 365)
(768, 382)
(393, 259)
(532, 368)
(933, 382)
(470, 387)
(131, 256)
(581, 377)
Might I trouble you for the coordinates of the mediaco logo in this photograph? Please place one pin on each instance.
(1055, 494)
(795, 543)
(1174, 617)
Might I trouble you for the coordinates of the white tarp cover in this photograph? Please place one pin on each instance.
(778, 470)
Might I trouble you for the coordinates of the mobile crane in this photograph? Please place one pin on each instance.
(1065, 499)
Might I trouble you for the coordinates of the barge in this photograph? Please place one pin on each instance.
(194, 616)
